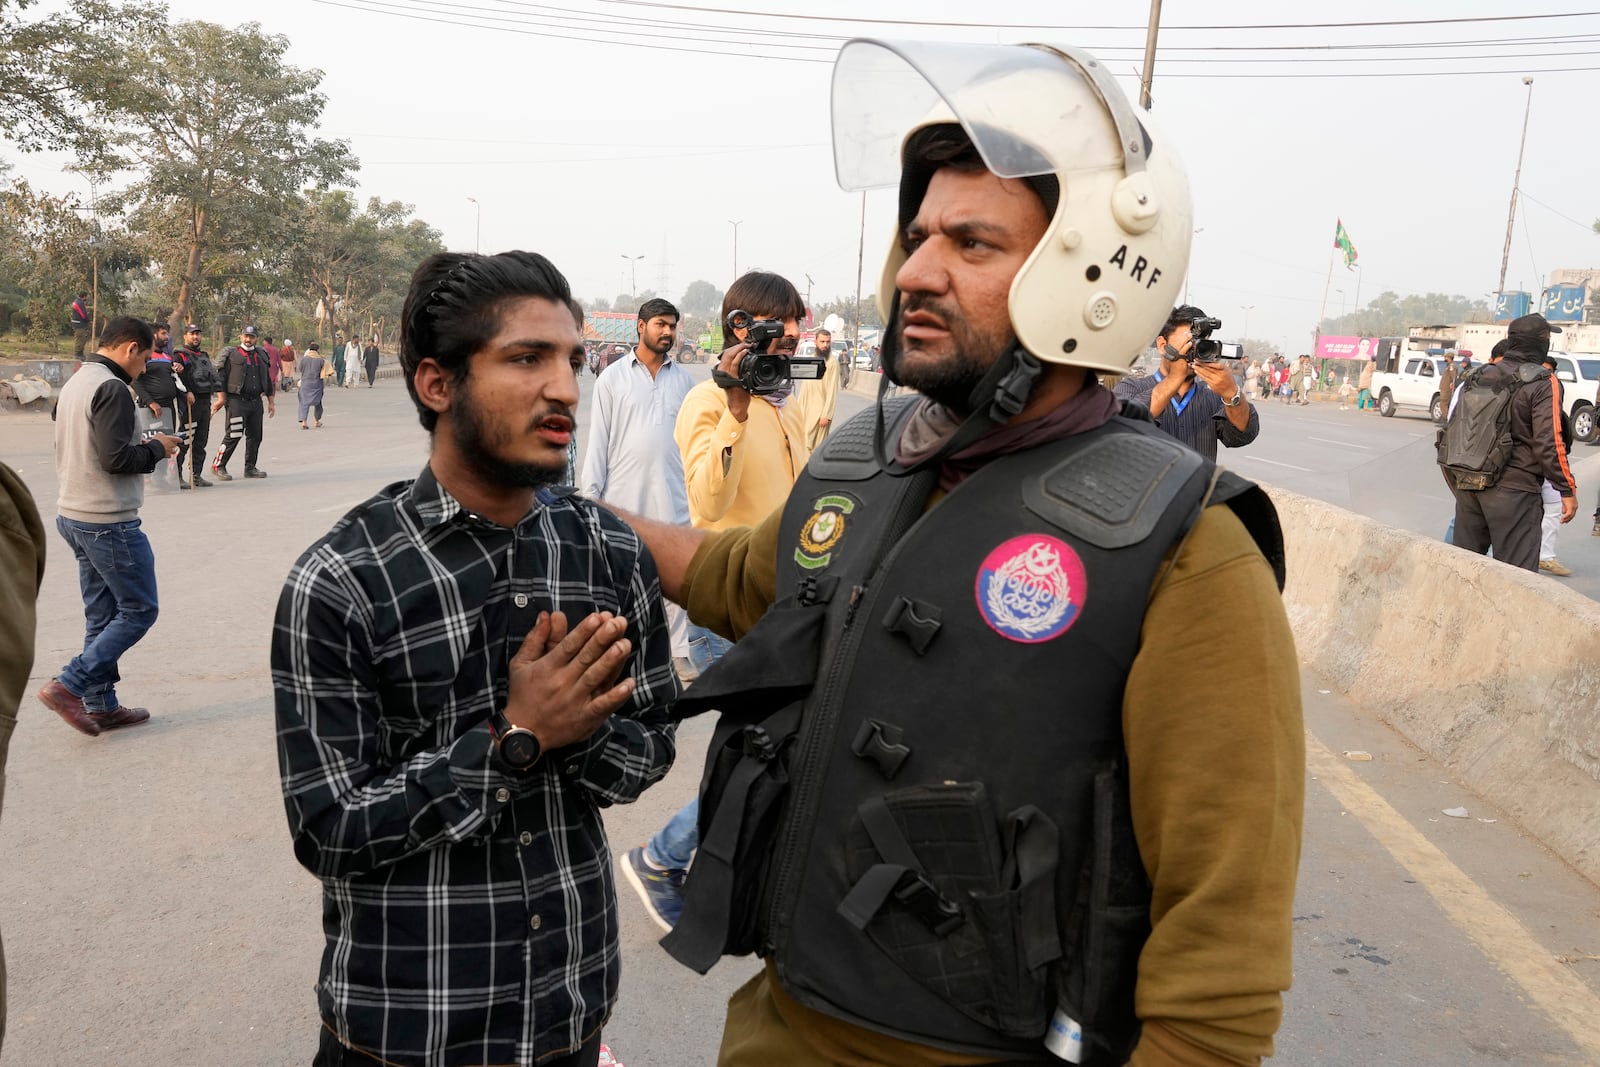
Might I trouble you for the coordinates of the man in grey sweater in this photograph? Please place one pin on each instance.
(101, 459)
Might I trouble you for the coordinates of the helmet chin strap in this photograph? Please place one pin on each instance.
(995, 401)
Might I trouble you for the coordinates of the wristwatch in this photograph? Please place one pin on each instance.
(519, 749)
(1238, 398)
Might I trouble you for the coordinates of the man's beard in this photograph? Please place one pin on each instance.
(480, 444)
(949, 383)
(660, 347)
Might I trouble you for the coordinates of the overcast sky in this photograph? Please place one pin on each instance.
(590, 150)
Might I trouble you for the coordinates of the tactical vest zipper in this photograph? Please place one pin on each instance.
(817, 730)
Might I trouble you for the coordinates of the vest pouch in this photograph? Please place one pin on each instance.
(760, 687)
(1109, 925)
(966, 913)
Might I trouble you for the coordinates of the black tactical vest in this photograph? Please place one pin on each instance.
(245, 377)
(916, 800)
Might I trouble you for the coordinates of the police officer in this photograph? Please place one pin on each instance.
(200, 378)
(980, 785)
(246, 379)
(161, 401)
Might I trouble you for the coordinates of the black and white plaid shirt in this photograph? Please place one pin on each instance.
(469, 911)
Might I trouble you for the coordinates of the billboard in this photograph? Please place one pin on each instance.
(1508, 306)
(1562, 303)
(1346, 347)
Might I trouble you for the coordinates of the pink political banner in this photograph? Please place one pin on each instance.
(1346, 347)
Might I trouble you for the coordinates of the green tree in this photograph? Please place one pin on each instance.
(356, 264)
(845, 308)
(49, 250)
(1391, 315)
(56, 70)
(701, 299)
(223, 145)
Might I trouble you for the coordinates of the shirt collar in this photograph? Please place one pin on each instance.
(434, 506)
(121, 374)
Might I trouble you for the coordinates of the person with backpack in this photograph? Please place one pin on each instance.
(1502, 440)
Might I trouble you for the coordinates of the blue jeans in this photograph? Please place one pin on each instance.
(673, 845)
(117, 575)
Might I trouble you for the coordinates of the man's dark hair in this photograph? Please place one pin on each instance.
(946, 145)
(657, 306)
(125, 328)
(577, 314)
(825, 332)
(764, 295)
(83, 294)
(1183, 313)
(160, 326)
(453, 309)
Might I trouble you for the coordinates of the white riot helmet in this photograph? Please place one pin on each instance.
(1100, 284)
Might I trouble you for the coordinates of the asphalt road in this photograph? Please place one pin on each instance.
(154, 914)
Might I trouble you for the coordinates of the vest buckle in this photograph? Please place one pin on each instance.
(880, 743)
(923, 899)
(917, 622)
(757, 744)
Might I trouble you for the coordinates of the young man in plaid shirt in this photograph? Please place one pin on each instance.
(468, 667)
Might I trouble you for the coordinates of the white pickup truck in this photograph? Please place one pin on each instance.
(1413, 385)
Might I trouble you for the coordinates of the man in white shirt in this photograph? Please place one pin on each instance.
(631, 459)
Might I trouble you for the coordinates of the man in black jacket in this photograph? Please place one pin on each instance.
(1508, 514)
(246, 378)
(161, 401)
(199, 376)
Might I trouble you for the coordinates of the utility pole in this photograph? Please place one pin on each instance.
(861, 247)
(1516, 182)
(735, 224)
(1149, 55)
(809, 284)
(477, 228)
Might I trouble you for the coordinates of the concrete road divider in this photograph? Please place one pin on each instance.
(1493, 670)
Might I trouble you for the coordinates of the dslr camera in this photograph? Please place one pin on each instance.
(1204, 349)
(762, 371)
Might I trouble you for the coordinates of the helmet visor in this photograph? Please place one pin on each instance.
(1028, 110)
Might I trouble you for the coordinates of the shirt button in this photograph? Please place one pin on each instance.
(502, 795)
(535, 922)
(525, 838)
(520, 600)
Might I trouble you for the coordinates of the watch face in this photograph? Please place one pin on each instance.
(520, 749)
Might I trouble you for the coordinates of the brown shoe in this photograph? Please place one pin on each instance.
(121, 716)
(59, 699)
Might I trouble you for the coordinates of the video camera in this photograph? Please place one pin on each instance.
(1205, 350)
(761, 371)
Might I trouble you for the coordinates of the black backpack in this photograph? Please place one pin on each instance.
(1474, 446)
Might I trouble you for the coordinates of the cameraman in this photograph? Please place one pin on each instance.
(1198, 402)
(740, 451)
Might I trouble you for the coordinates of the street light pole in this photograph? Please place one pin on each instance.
(477, 228)
(1516, 182)
(735, 224)
(633, 273)
(1246, 308)
(1149, 54)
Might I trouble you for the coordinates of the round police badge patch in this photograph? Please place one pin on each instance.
(1031, 588)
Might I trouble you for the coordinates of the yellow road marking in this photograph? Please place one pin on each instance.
(1558, 992)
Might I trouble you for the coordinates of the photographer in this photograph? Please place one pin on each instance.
(1195, 399)
(740, 451)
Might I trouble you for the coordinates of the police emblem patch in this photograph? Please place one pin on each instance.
(1031, 589)
(823, 530)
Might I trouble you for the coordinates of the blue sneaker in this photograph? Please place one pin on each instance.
(660, 888)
